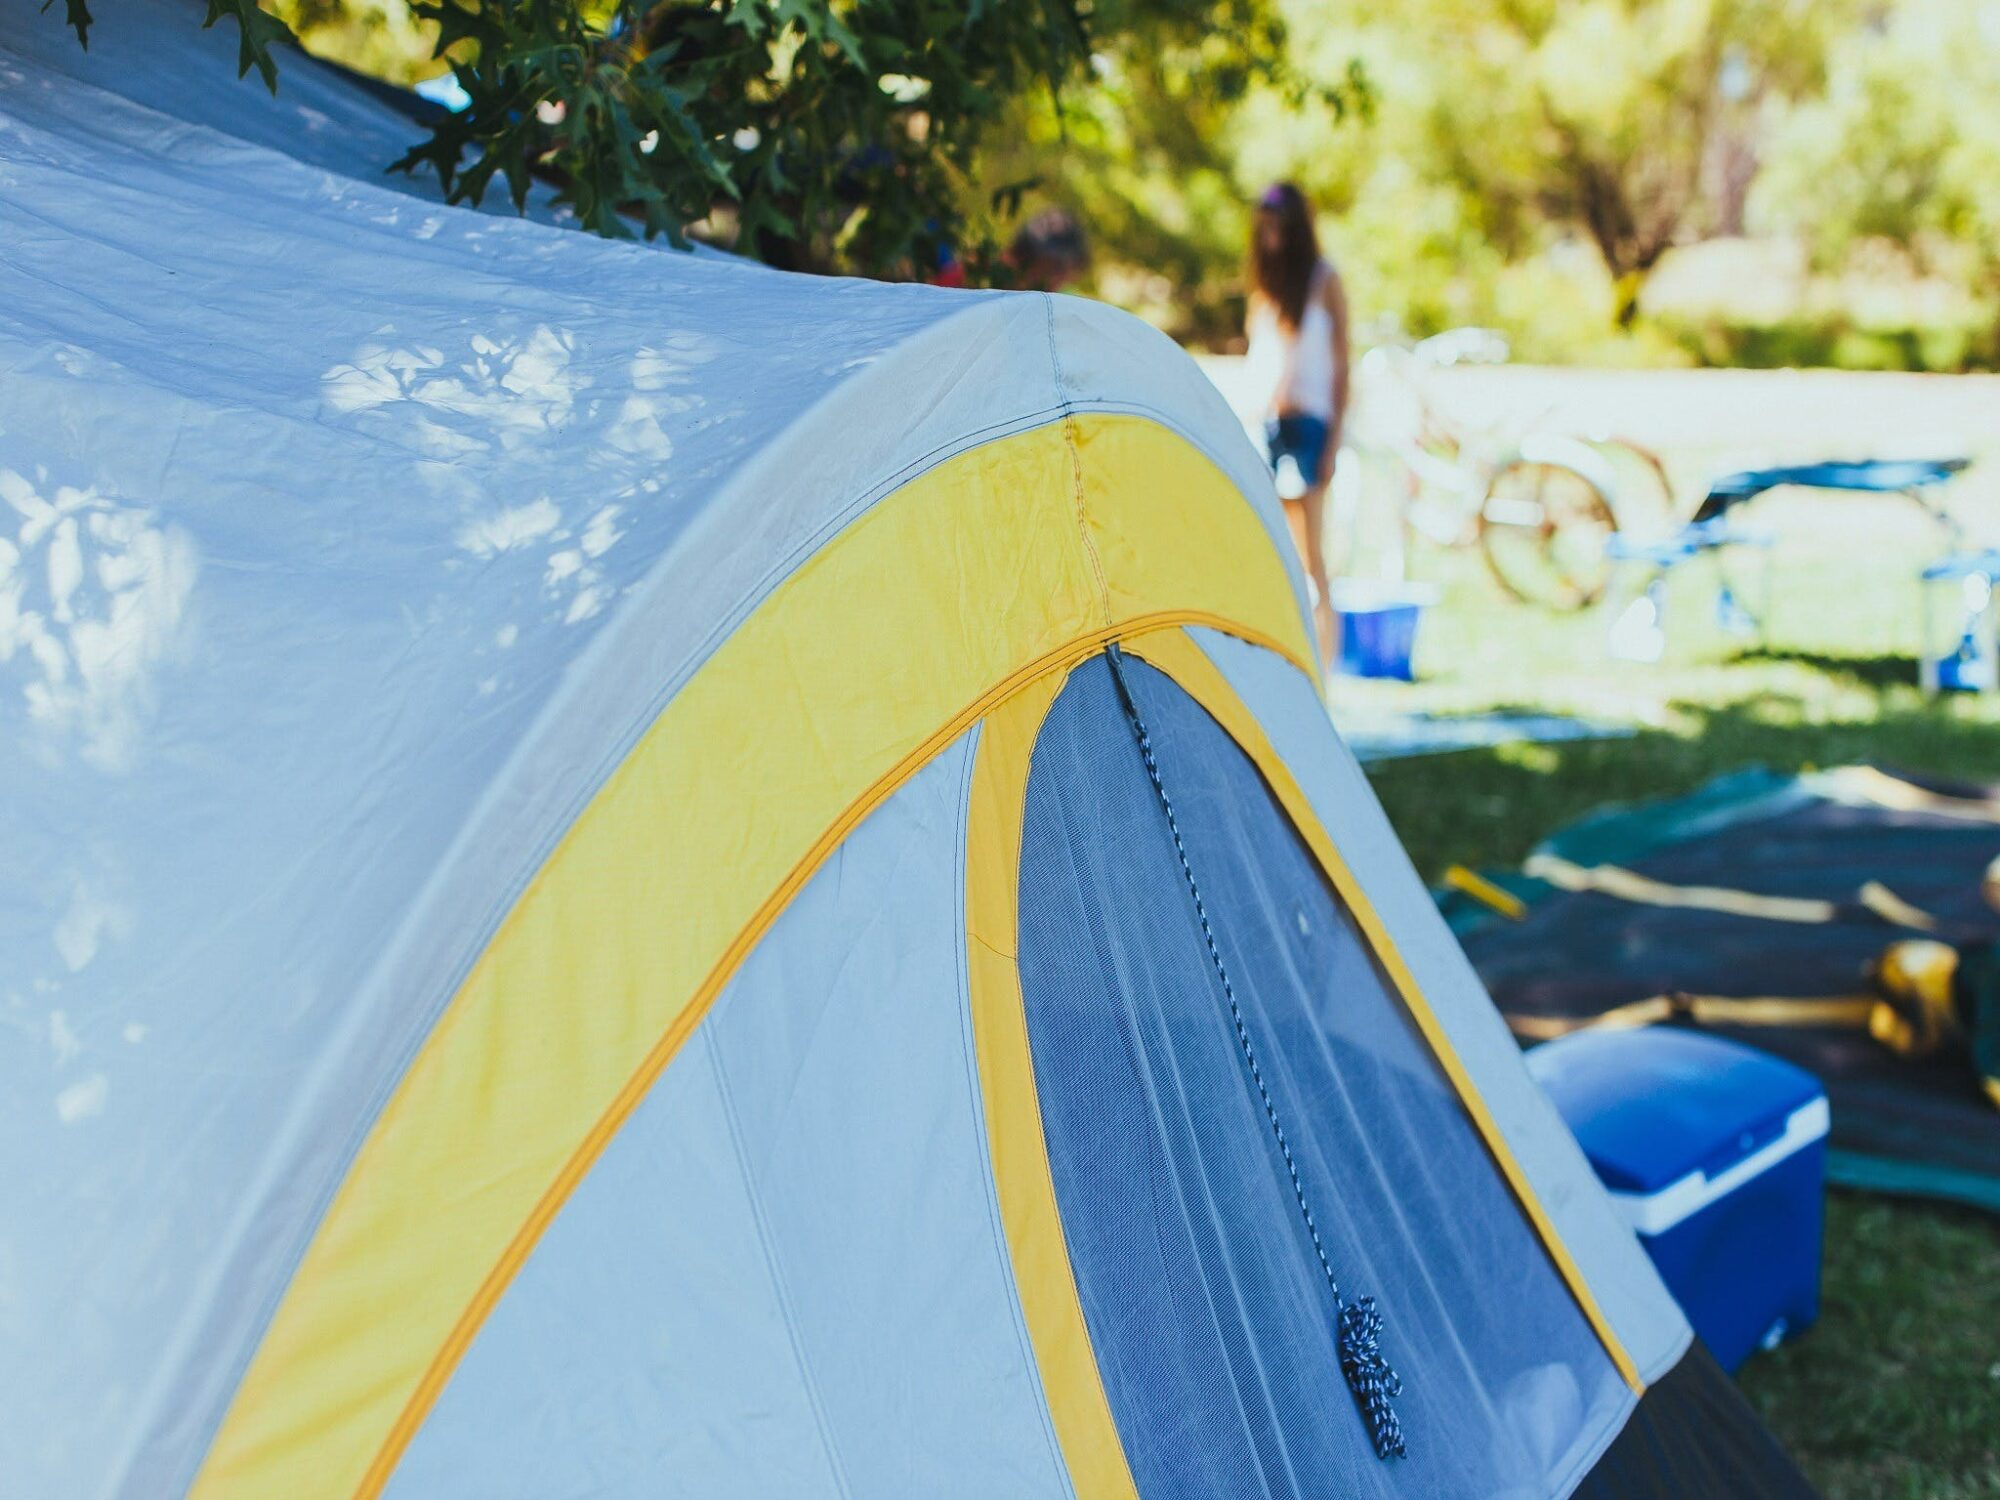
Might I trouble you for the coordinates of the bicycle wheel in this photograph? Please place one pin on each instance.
(1543, 527)
(1645, 490)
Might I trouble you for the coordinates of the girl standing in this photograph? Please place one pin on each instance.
(1298, 347)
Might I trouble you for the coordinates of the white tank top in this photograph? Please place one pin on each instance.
(1298, 367)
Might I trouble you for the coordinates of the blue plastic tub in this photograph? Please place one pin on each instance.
(1715, 1153)
(1378, 626)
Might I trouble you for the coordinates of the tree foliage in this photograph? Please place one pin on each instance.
(828, 134)
(1617, 119)
(1150, 156)
(1903, 147)
(821, 134)
(1524, 163)
(1462, 151)
(1527, 163)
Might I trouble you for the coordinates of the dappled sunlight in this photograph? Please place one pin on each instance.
(83, 1099)
(77, 910)
(90, 918)
(512, 396)
(493, 396)
(506, 394)
(93, 598)
(505, 529)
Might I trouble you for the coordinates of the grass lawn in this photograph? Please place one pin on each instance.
(1896, 1393)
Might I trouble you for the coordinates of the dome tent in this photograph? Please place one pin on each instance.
(632, 875)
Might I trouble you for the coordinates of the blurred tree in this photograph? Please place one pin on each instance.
(1616, 117)
(1902, 148)
(1150, 157)
(378, 37)
(1513, 142)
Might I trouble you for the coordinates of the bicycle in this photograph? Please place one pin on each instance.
(1540, 507)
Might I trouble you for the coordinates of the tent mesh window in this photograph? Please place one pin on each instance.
(1207, 1309)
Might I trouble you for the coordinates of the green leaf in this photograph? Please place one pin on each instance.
(750, 16)
(256, 31)
(456, 23)
(442, 152)
(76, 15)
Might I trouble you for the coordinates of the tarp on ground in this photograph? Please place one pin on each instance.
(1761, 887)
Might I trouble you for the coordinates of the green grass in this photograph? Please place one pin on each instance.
(1895, 1395)
(1896, 1392)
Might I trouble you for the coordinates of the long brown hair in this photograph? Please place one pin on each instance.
(1283, 274)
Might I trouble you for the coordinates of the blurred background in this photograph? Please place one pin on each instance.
(1635, 183)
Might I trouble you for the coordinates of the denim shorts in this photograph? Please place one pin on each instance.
(1302, 439)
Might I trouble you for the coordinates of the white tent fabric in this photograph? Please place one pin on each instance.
(835, 1074)
(347, 542)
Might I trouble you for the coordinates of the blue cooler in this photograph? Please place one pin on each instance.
(1715, 1153)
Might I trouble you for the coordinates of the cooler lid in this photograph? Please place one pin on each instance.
(1651, 1106)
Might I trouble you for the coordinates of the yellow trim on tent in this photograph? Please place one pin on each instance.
(1175, 653)
(927, 612)
(1050, 1306)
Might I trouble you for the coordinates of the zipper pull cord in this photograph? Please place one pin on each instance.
(1357, 1324)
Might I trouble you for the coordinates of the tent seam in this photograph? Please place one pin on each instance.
(1075, 463)
(775, 1271)
(976, 1096)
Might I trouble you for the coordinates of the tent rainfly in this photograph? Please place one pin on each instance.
(633, 876)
